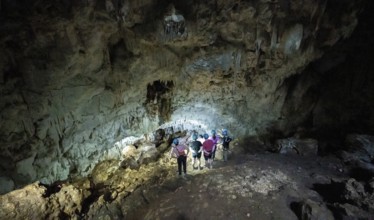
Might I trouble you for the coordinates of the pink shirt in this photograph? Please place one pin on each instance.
(208, 146)
(215, 140)
(179, 150)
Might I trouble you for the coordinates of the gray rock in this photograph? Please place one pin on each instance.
(362, 146)
(311, 210)
(6, 184)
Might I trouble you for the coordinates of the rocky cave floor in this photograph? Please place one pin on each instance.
(259, 186)
(255, 185)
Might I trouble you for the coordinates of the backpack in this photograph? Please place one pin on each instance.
(181, 150)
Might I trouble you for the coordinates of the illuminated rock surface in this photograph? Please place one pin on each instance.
(258, 186)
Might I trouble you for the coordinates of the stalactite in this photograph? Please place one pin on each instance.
(319, 17)
(274, 37)
(258, 50)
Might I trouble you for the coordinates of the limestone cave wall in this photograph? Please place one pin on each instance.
(334, 94)
(77, 77)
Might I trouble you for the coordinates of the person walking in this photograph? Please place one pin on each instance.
(180, 152)
(208, 148)
(225, 143)
(196, 148)
(215, 140)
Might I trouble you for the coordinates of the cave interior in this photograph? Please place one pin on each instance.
(93, 93)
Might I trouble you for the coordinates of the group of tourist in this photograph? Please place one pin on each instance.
(200, 145)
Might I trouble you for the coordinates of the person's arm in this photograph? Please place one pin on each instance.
(201, 149)
(230, 139)
(173, 152)
(192, 150)
(204, 150)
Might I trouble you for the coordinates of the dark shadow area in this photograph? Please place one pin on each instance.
(252, 145)
(331, 193)
(181, 217)
(96, 191)
(337, 212)
(119, 53)
(360, 174)
(52, 188)
(329, 146)
(63, 216)
(157, 89)
(159, 98)
(296, 208)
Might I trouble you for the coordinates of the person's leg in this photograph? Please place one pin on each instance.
(206, 160)
(199, 161)
(225, 151)
(179, 160)
(211, 161)
(184, 163)
(214, 154)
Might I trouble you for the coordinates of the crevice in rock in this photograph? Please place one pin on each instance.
(63, 216)
(157, 89)
(144, 198)
(296, 208)
(158, 100)
(88, 202)
(360, 174)
(96, 192)
(336, 211)
(119, 53)
(331, 192)
(52, 188)
(11, 73)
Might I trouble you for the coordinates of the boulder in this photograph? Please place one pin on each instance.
(133, 157)
(354, 192)
(286, 146)
(349, 211)
(312, 210)
(362, 146)
(305, 147)
(159, 135)
(67, 202)
(25, 203)
(130, 156)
